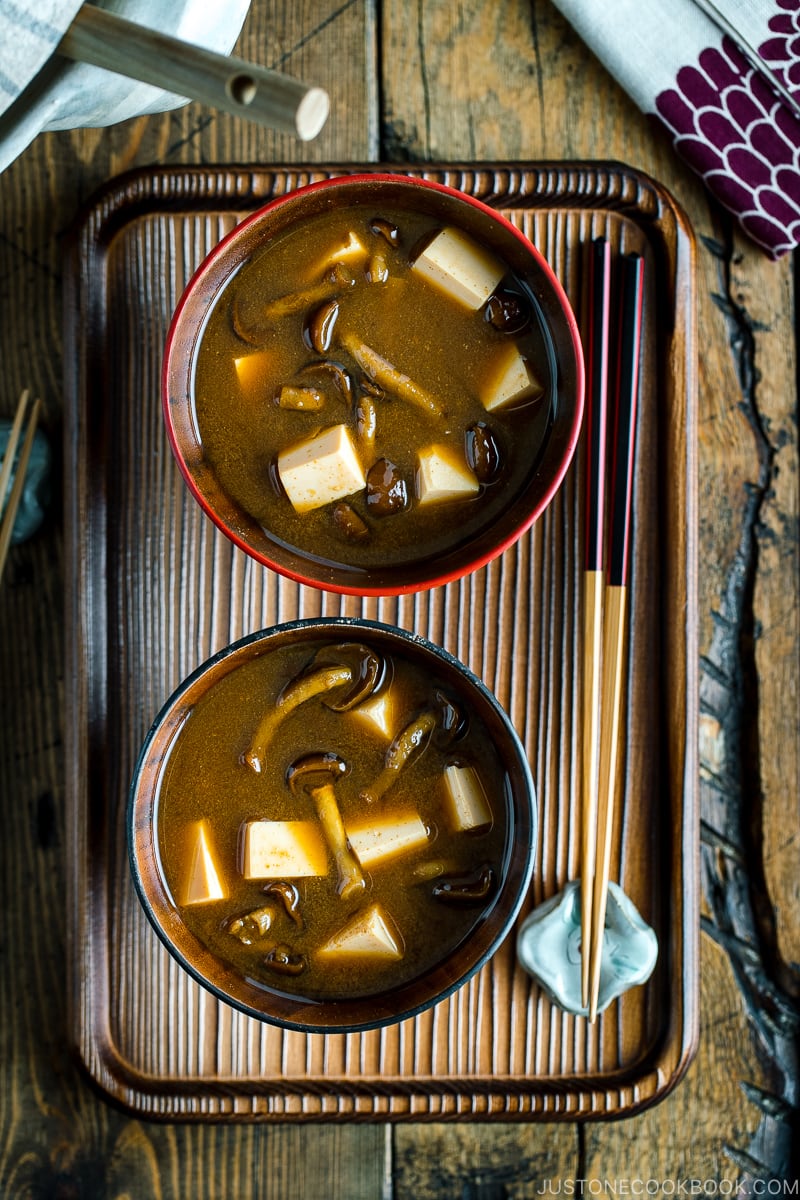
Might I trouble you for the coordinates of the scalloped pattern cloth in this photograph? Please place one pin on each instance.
(723, 78)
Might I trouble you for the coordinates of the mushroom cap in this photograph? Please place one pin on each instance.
(316, 770)
(451, 720)
(368, 670)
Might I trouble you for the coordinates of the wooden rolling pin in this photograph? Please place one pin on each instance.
(104, 39)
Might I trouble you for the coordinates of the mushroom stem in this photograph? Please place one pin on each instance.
(301, 689)
(351, 879)
(388, 376)
(410, 742)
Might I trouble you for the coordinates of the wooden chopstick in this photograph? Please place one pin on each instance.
(596, 392)
(9, 516)
(104, 39)
(615, 596)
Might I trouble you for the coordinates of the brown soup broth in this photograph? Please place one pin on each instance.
(207, 777)
(428, 336)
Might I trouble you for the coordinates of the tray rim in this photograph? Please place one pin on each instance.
(234, 188)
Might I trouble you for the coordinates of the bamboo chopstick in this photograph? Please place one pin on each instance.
(597, 370)
(615, 596)
(221, 81)
(9, 516)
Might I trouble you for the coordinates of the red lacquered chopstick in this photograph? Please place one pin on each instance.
(596, 395)
(624, 434)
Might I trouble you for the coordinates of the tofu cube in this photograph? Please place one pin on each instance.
(380, 839)
(467, 806)
(369, 934)
(321, 469)
(203, 882)
(251, 369)
(509, 380)
(283, 850)
(460, 267)
(378, 714)
(350, 250)
(442, 474)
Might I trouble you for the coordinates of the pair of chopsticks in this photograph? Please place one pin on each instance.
(605, 592)
(15, 495)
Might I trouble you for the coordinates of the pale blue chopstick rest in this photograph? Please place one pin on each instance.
(36, 492)
(549, 948)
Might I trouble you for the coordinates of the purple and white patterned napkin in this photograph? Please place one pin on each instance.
(723, 78)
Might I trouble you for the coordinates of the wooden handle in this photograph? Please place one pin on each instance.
(104, 39)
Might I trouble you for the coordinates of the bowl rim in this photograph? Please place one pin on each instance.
(435, 578)
(330, 625)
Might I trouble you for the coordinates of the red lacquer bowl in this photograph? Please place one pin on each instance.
(518, 507)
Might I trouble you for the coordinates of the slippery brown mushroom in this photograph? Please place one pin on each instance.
(406, 746)
(252, 926)
(388, 376)
(300, 399)
(386, 489)
(288, 895)
(254, 318)
(284, 961)
(451, 721)
(298, 691)
(366, 415)
(318, 331)
(367, 670)
(508, 311)
(483, 452)
(326, 370)
(316, 775)
(385, 229)
(466, 889)
(348, 523)
(443, 722)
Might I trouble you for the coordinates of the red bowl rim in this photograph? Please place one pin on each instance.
(571, 439)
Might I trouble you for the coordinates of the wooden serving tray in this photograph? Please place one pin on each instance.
(155, 589)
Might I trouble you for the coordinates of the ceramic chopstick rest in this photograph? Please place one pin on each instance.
(549, 948)
(36, 490)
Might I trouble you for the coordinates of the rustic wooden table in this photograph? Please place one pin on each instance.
(446, 82)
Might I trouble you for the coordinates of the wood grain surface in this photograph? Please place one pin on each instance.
(445, 81)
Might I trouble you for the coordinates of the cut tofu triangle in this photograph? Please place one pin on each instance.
(509, 381)
(371, 933)
(203, 883)
(443, 475)
(378, 713)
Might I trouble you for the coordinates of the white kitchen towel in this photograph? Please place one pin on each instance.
(723, 78)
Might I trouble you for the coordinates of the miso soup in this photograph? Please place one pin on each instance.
(332, 821)
(374, 386)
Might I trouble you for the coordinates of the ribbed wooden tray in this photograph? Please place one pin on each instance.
(154, 590)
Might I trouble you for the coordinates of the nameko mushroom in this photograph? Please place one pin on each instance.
(444, 722)
(316, 775)
(343, 675)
